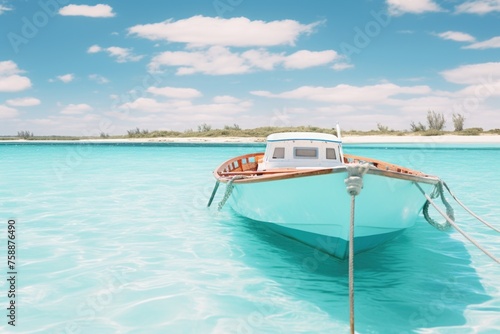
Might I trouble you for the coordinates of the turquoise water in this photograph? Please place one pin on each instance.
(118, 239)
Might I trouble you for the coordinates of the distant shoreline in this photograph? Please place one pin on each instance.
(373, 139)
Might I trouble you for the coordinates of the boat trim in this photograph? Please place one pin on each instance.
(306, 139)
(246, 165)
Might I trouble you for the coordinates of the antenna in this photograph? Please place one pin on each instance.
(339, 136)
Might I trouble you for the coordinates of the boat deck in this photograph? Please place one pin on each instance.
(247, 165)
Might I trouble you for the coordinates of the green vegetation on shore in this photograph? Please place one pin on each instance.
(235, 131)
(435, 125)
(265, 131)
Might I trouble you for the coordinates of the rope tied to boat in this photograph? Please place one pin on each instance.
(469, 210)
(354, 181)
(438, 192)
(214, 191)
(229, 190)
(455, 226)
(354, 184)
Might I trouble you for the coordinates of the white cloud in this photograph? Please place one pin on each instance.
(492, 43)
(94, 49)
(181, 109)
(262, 59)
(215, 61)
(238, 31)
(390, 104)
(23, 102)
(419, 104)
(218, 60)
(474, 74)
(400, 7)
(304, 58)
(345, 94)
(86, 124)
(121, 55)
(99, 10)
(216, 35)
(153, 106)
(7, 112)
(45, 122)
(8, 67)
(76, 109)
(339, 108)
(175, 92)
(98, 78)
(342, 66)
(4, 9)
(479, 91)
(226, 99)
(66, 78)
(14, 83)
(479, 7)
(456, 36)
(10, 80)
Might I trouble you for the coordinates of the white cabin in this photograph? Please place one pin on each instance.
(302, 150)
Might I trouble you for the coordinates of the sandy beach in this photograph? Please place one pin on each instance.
(445, 139)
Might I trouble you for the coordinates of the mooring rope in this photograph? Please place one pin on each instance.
(229, 190)
(469, 210)
(351, 264)
(213, 193)
(455, 226)
(438, 191)
(354, 184)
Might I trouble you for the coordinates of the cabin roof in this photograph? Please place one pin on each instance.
(286, 136)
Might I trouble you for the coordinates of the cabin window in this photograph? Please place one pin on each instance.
(331, 154)
(306, 152)
(279, 153)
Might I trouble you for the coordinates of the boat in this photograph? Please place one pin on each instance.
(297, 188)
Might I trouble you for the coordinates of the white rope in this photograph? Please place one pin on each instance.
(438, 191)
(229, 190)
(213, 193)
(351, 265)
(354, 184)
(470, 211)
(452, 223)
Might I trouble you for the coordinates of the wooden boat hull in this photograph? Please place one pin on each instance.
(313, 207)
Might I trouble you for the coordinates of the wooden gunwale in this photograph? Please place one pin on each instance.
(246, 166)
(382, 165)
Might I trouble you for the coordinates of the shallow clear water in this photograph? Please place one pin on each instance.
(118, 239)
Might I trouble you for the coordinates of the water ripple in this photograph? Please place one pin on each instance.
(120, 241)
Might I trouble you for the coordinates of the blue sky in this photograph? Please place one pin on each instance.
(83, 68)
